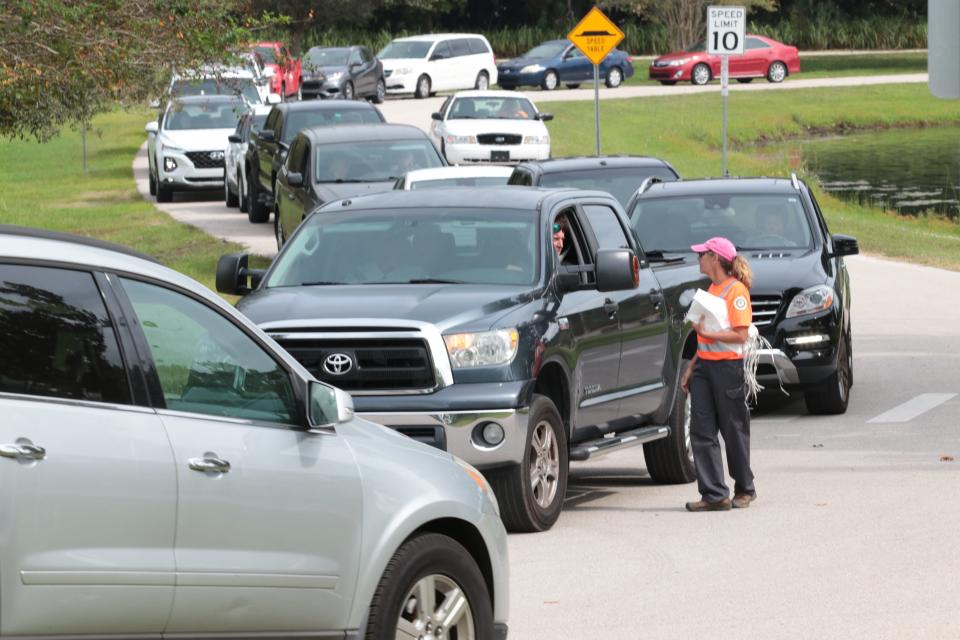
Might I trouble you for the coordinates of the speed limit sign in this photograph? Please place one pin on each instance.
(725, 29)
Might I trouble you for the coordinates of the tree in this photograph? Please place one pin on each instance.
(62, 61)
(303, 14)
(685, 20)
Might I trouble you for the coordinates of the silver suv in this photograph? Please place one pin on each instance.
(167, 469)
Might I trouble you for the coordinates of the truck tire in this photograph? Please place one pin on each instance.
(834, 394)
(531, 493)
(438, 565)
(257, 211)
(670, 460)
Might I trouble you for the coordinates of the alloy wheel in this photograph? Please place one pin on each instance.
(550, 81)
(687, 424)
(701, 74)
(437, 608)
(483, 82)
(544, 464)
(381, 90)
(348, 91)
(614, 78)
(777, 72)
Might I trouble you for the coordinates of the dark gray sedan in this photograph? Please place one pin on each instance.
(343, 72)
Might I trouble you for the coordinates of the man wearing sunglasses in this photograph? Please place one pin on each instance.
(561, 231)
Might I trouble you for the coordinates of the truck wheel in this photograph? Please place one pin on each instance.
(257, 211)
(242, 189)
(229, 196)
(670, 460)
(833, 395)
(531, 493)
(432, 587)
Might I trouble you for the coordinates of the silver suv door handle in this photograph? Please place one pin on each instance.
(23, 451)
(209, 464)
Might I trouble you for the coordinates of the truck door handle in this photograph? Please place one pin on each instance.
(209, 463)
(656, 298)
(22, 451)
(610, 307)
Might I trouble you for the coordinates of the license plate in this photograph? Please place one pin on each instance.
(499, 156)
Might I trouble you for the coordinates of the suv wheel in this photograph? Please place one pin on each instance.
(257, 211)
(531, 493)
(550, 80)
(229, 196)
(834, 394)
(242, 189)
(348, 91)
(423, 87)
(432, 587)
(381, 93)
(152, 179)
(670, 460)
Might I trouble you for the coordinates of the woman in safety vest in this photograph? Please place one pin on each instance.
(715, 381)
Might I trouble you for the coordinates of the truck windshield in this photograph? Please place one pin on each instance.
(412, 246)
(620, 183)
(761, 221)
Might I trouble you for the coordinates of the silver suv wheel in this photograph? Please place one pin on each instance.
(436, 607)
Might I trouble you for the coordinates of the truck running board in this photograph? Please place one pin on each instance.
(601, 446)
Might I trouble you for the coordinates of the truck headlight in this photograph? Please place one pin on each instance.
(532, 68)
(536, 140)
(811, 300)
(484, 349)
(451, 139)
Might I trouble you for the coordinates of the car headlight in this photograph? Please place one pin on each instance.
(812, 300)
(536, 140)
(170, 149)
(477, 477)
(335, 77)
(678, 63)
(532, 68)
(452, 139)
(483, 349)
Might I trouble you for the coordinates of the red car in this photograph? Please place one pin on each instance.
(285, 68)
(762, 58)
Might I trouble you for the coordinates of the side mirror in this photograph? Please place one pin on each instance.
(328, 406)
(233, 274)
(267, 135)
(155, 103)
(274, 98)
(616, 269)
(545, 117)
(437, 56)
(437, 116)
(354, 66)
(295, 179)
(235, 138)
(844, 245)
(152, 127)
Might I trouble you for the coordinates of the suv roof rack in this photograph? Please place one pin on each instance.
(46, 234)
(794, 180)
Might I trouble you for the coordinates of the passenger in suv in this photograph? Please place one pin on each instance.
(167, 469)
(423, 65)
(801, 290)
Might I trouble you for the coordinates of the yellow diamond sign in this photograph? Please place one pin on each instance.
(595, 35)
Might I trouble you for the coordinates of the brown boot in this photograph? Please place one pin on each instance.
(703, 505)
(743, 500)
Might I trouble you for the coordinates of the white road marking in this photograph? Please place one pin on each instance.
(914, 407)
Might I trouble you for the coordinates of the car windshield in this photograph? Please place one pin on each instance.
(373, 160)
(409, 246)
(620, 183)
(473, 181)
(299, 120)
(269, 54)
(546, 50)
(218, 115)
(491, 108)
(414, 49)
(326, 58)
(243, 87)
(751, 221)
(697, 47)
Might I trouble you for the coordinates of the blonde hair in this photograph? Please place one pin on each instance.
(739, 268)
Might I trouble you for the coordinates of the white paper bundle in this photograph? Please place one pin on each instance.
(713, 310)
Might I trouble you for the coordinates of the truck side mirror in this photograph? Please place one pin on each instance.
(295, 179)
(267, 135)
(844, 245)
(616, 269)
(234, 277)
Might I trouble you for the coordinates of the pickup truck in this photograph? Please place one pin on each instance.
(450, 316)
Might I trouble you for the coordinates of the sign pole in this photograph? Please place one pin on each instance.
(596, 103)
(724, 92)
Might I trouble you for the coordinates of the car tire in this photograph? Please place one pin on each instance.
(152, 179)
(257, 211)
(242, 189)
(744, 80)
(348, 93)
(423, 87)
(550, 80)
(573, 85)
(614, 77)
(668, 83)
(381, 92)
(833, 395)
(522, 508)
(482, 82)
(230, 197)
(164, 193)
(437, 563)
(670, 460)
(508, 87)
(700, 74)
(776, 72)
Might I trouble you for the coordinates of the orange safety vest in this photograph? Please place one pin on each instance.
(740, 314)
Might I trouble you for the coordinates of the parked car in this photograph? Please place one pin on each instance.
(202, 481)
(267, 148)
(342, 72)
(762, 57)
(331, 163)
(234, 175)
(490, 126)
(801, 289)
(556, 61)
(423, 65)
(465, 176)
(281, 67)
(471, 333)
(620, 176)
(186, 146)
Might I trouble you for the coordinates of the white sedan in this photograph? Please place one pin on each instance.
(490, 126)
(468, 176)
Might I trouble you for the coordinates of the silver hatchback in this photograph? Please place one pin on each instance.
(166, 470)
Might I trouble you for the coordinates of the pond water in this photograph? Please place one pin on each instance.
(910, 171)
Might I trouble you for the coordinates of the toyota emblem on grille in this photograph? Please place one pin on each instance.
(337, 364)
(216, 155)
(499, 139)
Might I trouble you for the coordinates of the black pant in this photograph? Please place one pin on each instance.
(718, 406)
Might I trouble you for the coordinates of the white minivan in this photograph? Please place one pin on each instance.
(423, 65)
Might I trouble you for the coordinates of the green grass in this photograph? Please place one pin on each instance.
(43, 185)
(685, 130)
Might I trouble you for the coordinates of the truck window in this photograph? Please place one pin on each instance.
(606, 227)
(621, 183)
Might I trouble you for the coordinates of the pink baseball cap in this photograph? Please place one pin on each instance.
(720, 246)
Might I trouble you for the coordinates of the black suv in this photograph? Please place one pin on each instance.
(620, 176)
(801, 290)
